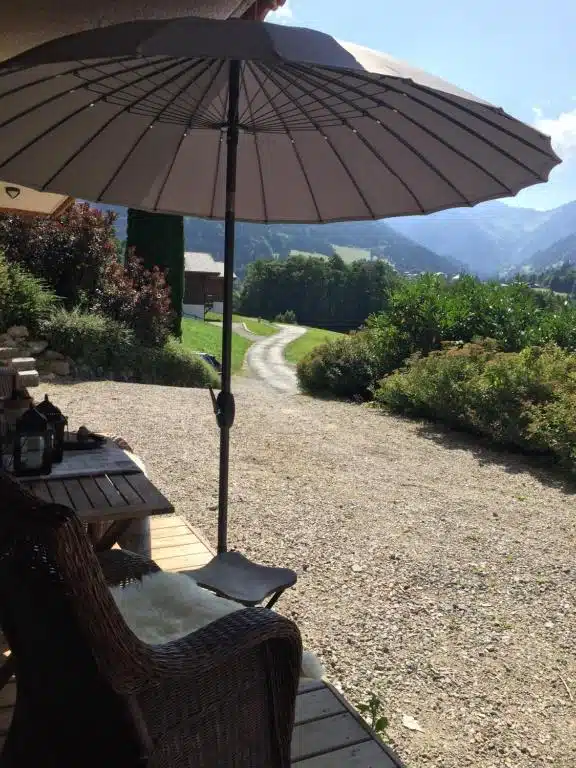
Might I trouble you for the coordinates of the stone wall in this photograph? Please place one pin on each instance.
(31, 357)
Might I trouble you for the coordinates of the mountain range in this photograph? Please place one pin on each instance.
(492, 239)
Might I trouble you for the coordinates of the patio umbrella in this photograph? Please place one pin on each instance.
(255, 122)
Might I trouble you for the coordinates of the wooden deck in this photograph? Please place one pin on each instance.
(328, 732)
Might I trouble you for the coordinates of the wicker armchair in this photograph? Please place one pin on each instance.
(90, 694)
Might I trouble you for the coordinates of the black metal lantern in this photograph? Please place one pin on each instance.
(57, 424)
(32, 444)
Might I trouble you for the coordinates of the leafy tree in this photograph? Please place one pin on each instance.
(325, 293)
(158, 240)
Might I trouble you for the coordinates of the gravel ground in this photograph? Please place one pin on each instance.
(436, 573)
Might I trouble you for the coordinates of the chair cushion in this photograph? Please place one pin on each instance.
(167, 606)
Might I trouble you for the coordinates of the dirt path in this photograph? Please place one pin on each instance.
(431, 571)
(266, 361)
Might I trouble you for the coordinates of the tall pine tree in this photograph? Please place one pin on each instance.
(158, 239)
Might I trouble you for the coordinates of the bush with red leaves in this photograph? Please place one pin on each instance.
(76, 256)
(138, 297)
(70, 253)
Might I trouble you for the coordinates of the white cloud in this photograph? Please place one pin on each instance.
(561, 129)
(282, 15)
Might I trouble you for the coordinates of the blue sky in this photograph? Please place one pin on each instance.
(519, 54)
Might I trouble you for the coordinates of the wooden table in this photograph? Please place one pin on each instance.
(116, 507)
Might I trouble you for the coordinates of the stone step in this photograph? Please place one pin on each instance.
(28, 379)
(23, 363)
(7, 353)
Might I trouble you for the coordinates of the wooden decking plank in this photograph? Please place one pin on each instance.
(168, 533)
(315, 705)
(310, 685)
(326, 735)
(167, 521)
(183, 562)
(174, 541)
(190, 547)
(369, 754)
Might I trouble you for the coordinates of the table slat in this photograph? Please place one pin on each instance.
(126, 490)
(79, 499)
(111, 493)
(97, 498)
(58, 492)
(146, 490)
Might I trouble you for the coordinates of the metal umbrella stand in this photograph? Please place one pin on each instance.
(315, 131)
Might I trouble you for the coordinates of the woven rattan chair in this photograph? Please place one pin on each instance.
(91, 695)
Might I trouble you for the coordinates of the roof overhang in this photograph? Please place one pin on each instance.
(24, 201)
(28, 23)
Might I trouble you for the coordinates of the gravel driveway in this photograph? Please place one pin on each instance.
(438, 574)
(265, 359)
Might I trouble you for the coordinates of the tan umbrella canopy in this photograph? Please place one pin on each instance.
(28, 202)
(253, 121)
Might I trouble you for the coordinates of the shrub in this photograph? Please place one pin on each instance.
(69, 253)
(24, 299)
(288, 317)
(521, 399)
(174, 365)
(345, 367)
(137, 297)
(104, 348)
(91, 340)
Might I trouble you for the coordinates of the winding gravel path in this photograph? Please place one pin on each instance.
(266, 360)
(432, 571)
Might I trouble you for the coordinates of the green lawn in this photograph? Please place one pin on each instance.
(305, 343)
(259, 327)
(198, 336)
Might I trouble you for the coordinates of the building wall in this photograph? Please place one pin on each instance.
(193, 310)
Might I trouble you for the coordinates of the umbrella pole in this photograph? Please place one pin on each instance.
(225, 400)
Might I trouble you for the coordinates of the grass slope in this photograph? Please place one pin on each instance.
(198, 336)
(313, 337)
(259, 327)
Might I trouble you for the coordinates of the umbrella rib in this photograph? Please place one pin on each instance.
(98, 133)
(257, 149)
(58, 95)
(133, 148)
(443, 96)
(198, 105)
(73, 71)
(331, 145)
(64, 120)
(376, 154)
(438, 138)
(455, 121)
(294, 147)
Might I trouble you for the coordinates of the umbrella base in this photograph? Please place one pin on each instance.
(235, 577)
